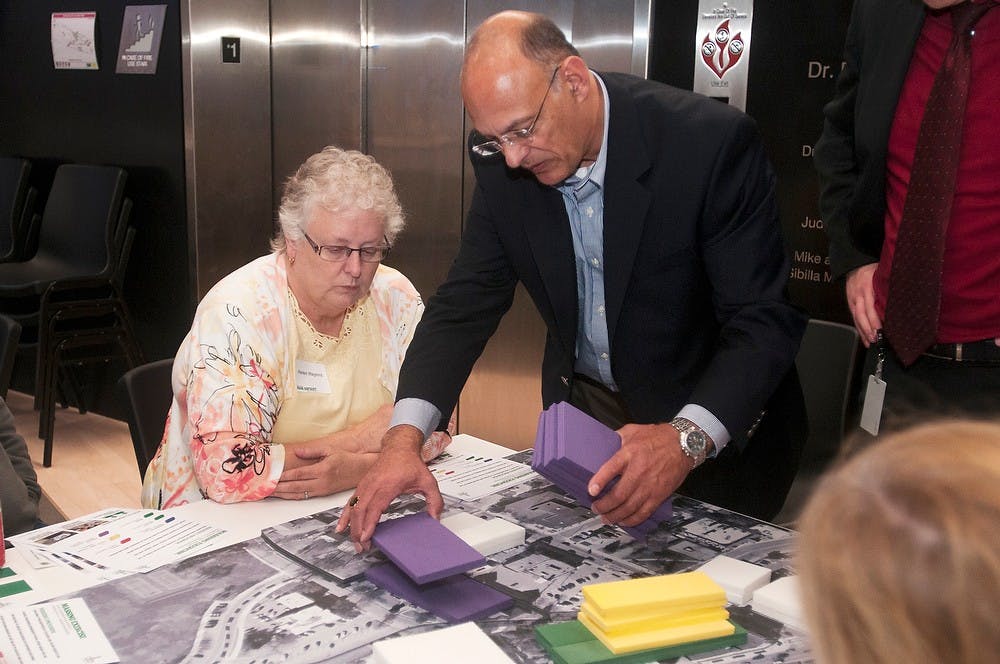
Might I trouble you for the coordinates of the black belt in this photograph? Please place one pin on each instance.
(968, 351)
(584, 378)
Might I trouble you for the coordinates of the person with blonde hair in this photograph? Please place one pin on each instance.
(898, 555)
(284, 384)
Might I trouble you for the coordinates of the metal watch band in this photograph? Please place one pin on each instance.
(685, 426)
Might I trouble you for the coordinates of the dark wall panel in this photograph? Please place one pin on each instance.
(135, 121)
(795, 54)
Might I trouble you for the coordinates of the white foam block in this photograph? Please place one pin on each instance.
(780, 600)
(458, 644)
(487, 536)
(738, 578)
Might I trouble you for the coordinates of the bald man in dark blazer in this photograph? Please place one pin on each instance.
(700, 335)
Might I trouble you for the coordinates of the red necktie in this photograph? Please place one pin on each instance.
(914, 297)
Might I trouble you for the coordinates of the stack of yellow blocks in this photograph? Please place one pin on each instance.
(655, 611)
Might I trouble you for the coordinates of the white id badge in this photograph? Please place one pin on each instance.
(311, 377)
(871, 413)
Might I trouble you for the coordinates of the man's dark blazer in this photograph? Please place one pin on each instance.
(850, 155)
(695, 273)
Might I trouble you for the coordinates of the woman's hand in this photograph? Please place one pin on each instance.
(333, 462)
(325, 470)
(365, 436)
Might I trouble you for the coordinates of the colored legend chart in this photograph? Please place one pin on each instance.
(118, 540)
(11, 584)
(471, 476)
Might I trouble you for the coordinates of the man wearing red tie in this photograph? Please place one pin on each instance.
(909, 161)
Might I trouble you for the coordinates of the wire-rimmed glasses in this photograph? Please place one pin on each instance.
(335, 253)
(490, 147)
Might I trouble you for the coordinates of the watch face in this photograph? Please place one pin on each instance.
(695, 442)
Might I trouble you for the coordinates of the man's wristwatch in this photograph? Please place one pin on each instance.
(695, 443)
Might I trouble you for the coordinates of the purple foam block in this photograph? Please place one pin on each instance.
(581, 444)
(583, 441)
(455, 598)
(423, 548)
(549, 448)
(536, 456)
(542, 458)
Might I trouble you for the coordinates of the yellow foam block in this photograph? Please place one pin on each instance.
(636, 599)
(630, 642)
(658, 621)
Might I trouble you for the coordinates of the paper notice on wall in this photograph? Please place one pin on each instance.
(139, 46)
(722, 50)
(73, 40)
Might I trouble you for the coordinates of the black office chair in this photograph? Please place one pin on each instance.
(17, 209)
(829, 365)
(146, 394)
(77, 230)
(10, 333)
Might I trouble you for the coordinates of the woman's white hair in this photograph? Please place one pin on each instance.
(337, 180)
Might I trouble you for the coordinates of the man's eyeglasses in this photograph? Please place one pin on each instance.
(488, 148)
(335, 253)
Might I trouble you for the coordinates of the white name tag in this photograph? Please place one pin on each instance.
(311, 377)
(871, 412)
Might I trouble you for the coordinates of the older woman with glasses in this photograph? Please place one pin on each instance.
(284, 385)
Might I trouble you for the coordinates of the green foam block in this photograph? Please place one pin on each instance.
(572, 643)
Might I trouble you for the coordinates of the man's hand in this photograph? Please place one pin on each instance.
(398, 470)
(651, 465)
(861, 300)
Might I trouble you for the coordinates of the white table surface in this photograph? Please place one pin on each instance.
(241, 521)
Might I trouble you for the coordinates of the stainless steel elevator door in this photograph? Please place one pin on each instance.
(414, 126)
(316, 79)
(227, 124)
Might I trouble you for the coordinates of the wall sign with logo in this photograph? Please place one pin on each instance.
(722, 50)
(797, 55)
(139, 46)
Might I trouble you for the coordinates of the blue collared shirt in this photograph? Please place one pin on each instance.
(583, 196)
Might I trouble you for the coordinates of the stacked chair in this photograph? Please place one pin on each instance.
(18, 221)
(10, 333)
(70, 292)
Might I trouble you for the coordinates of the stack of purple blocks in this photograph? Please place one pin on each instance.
(570, 447)
(428, 562)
